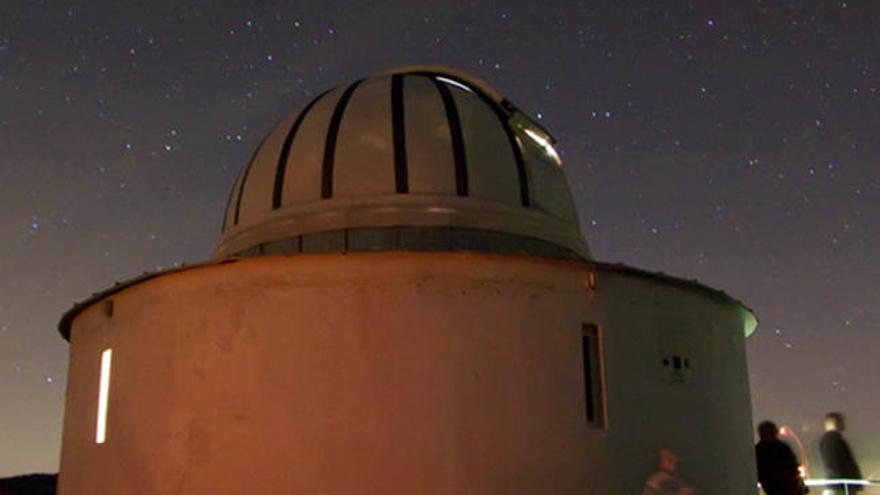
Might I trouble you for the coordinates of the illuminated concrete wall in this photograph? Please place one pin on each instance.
(404, 374)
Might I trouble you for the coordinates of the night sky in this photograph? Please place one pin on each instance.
(731, 142)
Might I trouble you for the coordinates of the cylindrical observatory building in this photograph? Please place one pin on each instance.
(402, 302)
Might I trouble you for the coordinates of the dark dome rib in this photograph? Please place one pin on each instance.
(278, 188)
(499, 111)
(457, 137)
(330, 144)
(398, 131)
(228, 207)
(244, 177)
(517, 154)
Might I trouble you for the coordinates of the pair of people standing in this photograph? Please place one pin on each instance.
(778, 468)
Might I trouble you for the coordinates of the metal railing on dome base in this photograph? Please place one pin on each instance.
(850, 486)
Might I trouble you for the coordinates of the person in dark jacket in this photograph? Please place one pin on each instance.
(837, 457)
(777, 466)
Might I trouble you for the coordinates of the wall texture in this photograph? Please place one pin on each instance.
(402, 373)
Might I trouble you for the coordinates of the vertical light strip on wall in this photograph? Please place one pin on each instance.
(103, 396)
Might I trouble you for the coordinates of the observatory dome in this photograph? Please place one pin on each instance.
(417, 158)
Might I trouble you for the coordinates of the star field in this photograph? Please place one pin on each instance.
(732, 142)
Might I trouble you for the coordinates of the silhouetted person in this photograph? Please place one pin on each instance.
(666, 481)
(837, 457)
(777, 465)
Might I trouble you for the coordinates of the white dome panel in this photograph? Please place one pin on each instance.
(549, 187)
(430, 160)
(256, 199)
(492, 167)
(302, 179)
(364, 157)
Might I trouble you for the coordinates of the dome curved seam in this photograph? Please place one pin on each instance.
(229, 197)
(398, 135)
(244, 177)
(500, 111)
(456, 136)
(330, 143)
(281, 170)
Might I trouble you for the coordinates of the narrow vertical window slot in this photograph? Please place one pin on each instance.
(594, 390)
(103, 396)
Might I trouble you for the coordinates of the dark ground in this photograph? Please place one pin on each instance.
(29, 484)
